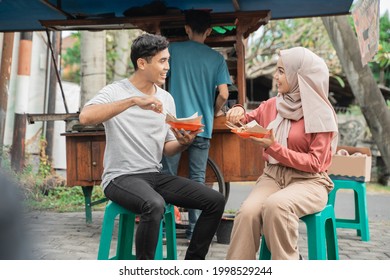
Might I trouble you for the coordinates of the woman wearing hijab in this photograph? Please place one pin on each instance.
(298, 153)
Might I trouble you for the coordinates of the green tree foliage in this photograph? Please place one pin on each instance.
(71, 58)
(381, 63)
(264, 44)
(71, 61)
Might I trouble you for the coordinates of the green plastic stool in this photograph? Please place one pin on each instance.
(124, 249)
(321, 236)
(360, 223)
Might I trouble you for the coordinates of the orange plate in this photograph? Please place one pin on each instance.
(245, 134)
(185, 126)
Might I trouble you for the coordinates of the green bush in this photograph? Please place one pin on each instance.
(43, 189)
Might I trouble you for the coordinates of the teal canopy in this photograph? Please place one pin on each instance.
(28, 15)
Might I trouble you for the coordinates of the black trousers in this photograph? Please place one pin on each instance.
(146, 194)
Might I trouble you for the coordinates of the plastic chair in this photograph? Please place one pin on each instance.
(360, 223)
(124, 249)
(321, 236)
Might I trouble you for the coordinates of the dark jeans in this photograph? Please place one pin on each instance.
(198, 153)
(146, 194)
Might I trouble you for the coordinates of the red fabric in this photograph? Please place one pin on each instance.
(308, 152)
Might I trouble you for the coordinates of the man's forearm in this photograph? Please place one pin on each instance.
(221, 98)
(219, 103)
(173, 147)
(98, 113)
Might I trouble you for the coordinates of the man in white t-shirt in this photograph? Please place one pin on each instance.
(137, 136)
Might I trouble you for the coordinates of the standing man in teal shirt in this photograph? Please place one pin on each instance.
(196, 73)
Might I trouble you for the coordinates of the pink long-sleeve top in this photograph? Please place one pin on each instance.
(308, 152)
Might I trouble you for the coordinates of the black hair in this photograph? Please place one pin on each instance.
(146, 46)
(198, 20)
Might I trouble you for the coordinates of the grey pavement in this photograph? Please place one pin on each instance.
(66, 236)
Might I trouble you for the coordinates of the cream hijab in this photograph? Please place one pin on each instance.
(308, 78)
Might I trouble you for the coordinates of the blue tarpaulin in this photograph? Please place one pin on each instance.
(26, 15)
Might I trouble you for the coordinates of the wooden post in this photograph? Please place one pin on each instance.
(5, 72)
(52, 95)
(245, 26)
(241, 82)
(22, 90)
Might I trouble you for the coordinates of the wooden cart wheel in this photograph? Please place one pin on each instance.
(221, 186)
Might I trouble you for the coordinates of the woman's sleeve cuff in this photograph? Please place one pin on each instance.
(239, 105)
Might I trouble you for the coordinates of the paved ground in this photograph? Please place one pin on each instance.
(66, 236)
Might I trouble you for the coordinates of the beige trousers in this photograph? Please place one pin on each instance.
(280, 197)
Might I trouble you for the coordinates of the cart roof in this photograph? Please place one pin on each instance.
(36, 15)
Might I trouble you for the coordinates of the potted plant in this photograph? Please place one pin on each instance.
(225, 227)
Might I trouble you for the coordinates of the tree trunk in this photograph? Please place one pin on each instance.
(362, 82)
(93, 64)
(123, 51)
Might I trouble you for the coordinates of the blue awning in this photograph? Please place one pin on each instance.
(26, 15)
